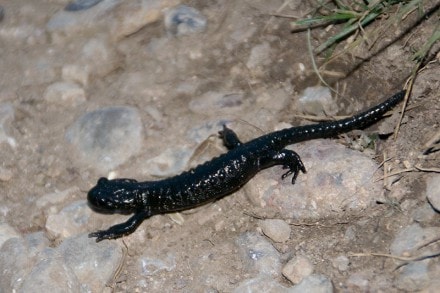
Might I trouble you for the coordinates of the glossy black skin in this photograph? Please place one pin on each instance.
(219, 177)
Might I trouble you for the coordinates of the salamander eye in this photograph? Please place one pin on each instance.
(102, 181)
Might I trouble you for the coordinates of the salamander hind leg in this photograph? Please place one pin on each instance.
(122, 229)
(230, 138)
(290, 160)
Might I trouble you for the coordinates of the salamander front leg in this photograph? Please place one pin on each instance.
(290, 160)
(122, 229)
(230, 138)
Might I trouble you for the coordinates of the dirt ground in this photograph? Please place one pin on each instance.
(40, 164)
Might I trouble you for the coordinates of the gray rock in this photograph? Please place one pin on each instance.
(51, 275)
(276, 229)
(297, 269)
(258, 254)
(313, 284)
(70, 221)
(14, 264)
(79, 264)
(413, 276)
(17, 258)
(433, 191)
(410, 238)
(94, 264)
(184, 20)
(107, 137)
(330, 167)
(424, 213)
(6, 233)
(65, 24)
(318, 101)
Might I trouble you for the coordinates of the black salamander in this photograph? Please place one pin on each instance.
(219, 177)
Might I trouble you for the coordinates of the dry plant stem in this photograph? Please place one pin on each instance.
(387, 167)
(420, 168)
(402, 258)
(408, 88)
(416, 168)
(315, 67)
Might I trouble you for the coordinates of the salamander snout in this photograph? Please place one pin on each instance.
(113, 196)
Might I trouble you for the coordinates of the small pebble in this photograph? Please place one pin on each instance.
(184, 20)
(259, 56)
(313, 284)
(65, 93)
(132, 16)
(276, 229)
(341, 263)
(258, 254)
(107, 137)
(318, 101)
(78, 5)
(297, 269)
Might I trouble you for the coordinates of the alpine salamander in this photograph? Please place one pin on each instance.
(219, 177)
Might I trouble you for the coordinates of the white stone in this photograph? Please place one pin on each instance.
(297, 269)
(276, 229)
(65, 93)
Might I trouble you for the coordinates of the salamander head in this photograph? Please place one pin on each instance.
(111, 196)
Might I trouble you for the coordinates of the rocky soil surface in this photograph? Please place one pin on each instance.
(139, 89)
